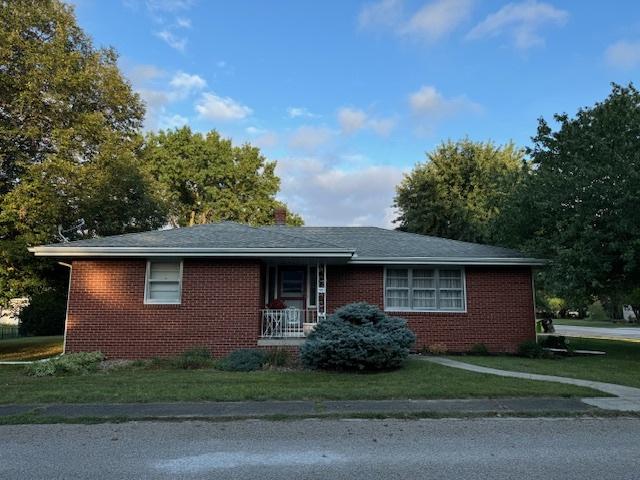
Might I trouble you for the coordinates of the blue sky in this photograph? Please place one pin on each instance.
(348, 95)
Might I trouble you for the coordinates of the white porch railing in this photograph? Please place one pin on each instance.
(288, 322)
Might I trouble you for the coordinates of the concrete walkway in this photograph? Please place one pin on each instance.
(628, 398)
(253, 409)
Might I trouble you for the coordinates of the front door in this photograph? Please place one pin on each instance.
(292, 286)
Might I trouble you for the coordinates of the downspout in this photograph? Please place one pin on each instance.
(66, 315)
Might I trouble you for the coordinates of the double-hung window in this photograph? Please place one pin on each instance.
(424, 288)
(163, 282)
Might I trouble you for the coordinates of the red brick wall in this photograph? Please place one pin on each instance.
(499, 313)
(221, 302)
(220, 309)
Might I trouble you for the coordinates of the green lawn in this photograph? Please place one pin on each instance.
(418, 379)
(591, 323)
(30, 348)
(620, 365)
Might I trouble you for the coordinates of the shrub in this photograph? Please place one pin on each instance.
(437, 349)
(358, 336)
(555, 341)
(44, 315)
(478, 349)
(530, 349)
(243, 360)
(597, 312)
(194, 358)
(277, 357)
(73, 364)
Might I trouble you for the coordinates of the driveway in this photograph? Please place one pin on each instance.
(319, 449)
(598, 332)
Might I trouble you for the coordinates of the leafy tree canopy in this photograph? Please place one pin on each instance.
(579, 207)
(68, 141)
(459, 190)
(205, 178)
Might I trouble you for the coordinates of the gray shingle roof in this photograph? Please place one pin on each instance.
(360, 244)
(373, 242)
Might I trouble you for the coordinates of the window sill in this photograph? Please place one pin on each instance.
(162, 305)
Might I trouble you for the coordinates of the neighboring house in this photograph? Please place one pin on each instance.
(223, 286)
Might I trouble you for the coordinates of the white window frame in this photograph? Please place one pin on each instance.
(436, 269)
(150, 301)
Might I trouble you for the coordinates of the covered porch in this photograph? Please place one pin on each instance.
(294, 298)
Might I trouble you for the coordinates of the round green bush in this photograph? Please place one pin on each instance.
(358, 337)
(530, 349)
(243, 360)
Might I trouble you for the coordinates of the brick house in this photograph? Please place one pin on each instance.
(228, 286)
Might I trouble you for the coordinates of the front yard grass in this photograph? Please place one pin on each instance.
(418, 379)
(621, 364)
(30, 348)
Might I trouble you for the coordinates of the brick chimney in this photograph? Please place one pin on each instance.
(280, 215)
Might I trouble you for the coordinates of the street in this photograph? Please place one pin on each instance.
(631, 333)
(326, 449)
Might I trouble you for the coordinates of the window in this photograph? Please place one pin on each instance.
(164, 282)
(431, 289)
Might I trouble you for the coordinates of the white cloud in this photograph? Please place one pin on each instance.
(178, 43)
(262, 138)
(437, 19)
(327, 195)
(382, 126)
(144, 73)
(309, 138)
(212, 107)
(295, 112)
(431, 22)
(183, 22)
(623, 54)
(521, 21)
(386, 13)
(429, 102)
(185, 82)
(351, 119)
(172, 121)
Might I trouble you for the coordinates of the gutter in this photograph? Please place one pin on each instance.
(448, 261)
(54, 251)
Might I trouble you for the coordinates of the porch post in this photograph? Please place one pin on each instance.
(321, 290)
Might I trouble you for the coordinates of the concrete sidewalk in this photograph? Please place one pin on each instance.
(253, 409)
(627, 399)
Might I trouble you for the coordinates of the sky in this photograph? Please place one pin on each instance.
(347, 96)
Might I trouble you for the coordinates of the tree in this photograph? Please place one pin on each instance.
(69, 138)
(579, 206)
(459, 190)
(205, 178)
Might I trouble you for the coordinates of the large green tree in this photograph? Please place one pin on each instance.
(69, 138)
(579, 206)
(459, 189)
(205, 178)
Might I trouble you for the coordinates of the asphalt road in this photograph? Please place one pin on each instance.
(326, 449)
(632, 333)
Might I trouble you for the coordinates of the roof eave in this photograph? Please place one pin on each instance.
(514, 261)
(55, 251)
